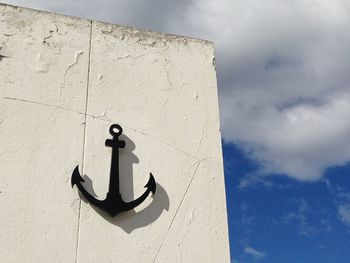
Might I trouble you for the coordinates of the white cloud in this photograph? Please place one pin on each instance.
(254, 253)
(307, 220)
(254, 180)
(284, 80)
(153, 14)
(283, 71)
(344, 214)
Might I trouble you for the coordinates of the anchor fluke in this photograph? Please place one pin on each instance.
(76, 178)
(151, 184)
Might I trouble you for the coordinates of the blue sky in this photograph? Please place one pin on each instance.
(284, 92)
(280, 219)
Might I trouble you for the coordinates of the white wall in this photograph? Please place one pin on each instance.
(63, 82)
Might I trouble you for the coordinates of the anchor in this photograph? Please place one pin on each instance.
(113, 204)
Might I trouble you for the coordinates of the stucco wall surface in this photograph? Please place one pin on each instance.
(63, 82)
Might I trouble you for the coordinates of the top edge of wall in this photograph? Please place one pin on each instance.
(133, 30)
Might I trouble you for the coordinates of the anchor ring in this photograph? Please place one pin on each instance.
(115, 127)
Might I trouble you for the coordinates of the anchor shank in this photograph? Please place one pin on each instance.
(114, 175)
(115, 144)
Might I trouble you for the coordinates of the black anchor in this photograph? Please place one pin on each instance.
(113, 204)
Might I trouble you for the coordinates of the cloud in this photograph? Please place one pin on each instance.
(251, 180)
(341, 199)
(344, 214)
(284, 82)
(254, 253)
(283, 77)
(158, 15)
(308, 221)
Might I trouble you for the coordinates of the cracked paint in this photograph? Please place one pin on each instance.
(202, 137)
(162, 142)
(55, 106)
(75, 61)
(75, 205)
(198, 163)
(2, 120)
(188, 226)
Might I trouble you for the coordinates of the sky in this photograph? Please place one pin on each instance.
(283, 69)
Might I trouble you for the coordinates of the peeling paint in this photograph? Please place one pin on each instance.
(129, 56)
(164, 107)
(9, 34)
(75, 61)
(2, 57)
(46, 38)
(41, 66)
(148, 37)
(58, 31)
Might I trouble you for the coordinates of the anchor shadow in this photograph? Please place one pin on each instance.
(131, 220)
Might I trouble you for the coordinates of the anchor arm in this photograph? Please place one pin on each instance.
(76, 180)
(151, 187)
